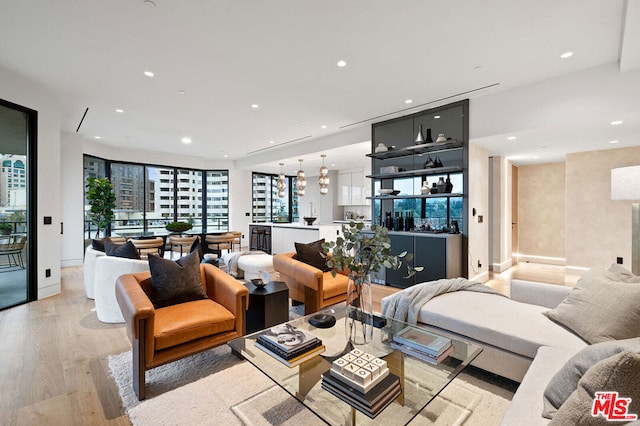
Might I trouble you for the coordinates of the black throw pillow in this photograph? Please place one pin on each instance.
(97, 244)
(126, 250)
(196, 246)
(175, 282)
(310, 253)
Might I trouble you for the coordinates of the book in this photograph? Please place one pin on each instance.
(385, 393)
(291, 354)
(427, 357)
(288, 338)
(423, 340)
(294, 361)
(367, 399)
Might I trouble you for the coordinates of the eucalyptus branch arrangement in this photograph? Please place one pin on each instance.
(360, 252)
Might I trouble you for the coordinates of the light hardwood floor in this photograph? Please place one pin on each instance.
(53, 368)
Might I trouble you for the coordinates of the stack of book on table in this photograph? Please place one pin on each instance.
(362, 381)
(289, 344)
(423, 345)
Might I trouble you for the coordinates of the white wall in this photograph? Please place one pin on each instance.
(478, 232)
(31, 95)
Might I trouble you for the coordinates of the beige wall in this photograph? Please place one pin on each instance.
(501, 195)
(478, 233)
(597, 228)
(541, 213)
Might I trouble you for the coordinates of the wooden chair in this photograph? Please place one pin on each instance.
(160, 336)
(217, 243)
(149, 246)
(237, 240)
(12, 246)
(182, 242)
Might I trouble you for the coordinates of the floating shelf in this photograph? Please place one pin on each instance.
(417, 149)
(418, 172)
(404, 197)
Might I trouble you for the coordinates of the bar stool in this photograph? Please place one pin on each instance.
(266, 240)
(257, 238)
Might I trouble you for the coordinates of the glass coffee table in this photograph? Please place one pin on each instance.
(421, 381)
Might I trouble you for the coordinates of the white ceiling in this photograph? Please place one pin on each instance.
(281, 54)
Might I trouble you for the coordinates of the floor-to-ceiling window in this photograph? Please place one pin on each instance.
(17, 204)
(267, 205)
(148, 197)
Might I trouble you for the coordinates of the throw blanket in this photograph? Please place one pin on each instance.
(405, 305)
(231, 259)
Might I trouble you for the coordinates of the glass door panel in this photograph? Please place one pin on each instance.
(159, 207)
(15, 130)
(128, 185)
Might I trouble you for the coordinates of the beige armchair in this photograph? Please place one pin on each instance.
(160, 336)
(309, 285)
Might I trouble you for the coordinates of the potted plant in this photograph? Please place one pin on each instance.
(178, 227)
(359, 254)
(6, 228)
(102, 201)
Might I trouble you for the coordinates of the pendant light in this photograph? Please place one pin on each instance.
(281, 184)
(301, 183)
(323, 180)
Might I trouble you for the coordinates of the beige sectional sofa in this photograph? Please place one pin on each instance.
(522, 343)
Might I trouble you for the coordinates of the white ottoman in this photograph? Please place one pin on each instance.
(90, 257)
(254, 264)
(108, 269)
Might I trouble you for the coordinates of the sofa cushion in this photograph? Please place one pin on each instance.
(565, 381)
(175, 282)
(97, 244)
(311, 254)
(617, 373)
(517, 327)
(126, 250)
(183, 323)
(600, 307)
(526, 405)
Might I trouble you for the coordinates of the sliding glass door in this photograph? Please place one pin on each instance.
(17, 126)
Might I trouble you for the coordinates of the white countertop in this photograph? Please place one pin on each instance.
(297, 225)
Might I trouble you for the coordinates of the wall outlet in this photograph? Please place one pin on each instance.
(619, 260)
(47, 273)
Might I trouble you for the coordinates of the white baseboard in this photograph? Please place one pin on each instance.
(481, 277)
(501, 267)
(560, 261)
(70, 262)
(575, 270)
(48, 291)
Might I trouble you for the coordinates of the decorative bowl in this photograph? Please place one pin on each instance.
(395, 192)
(309, 220)
(258, 282)
(384, 191)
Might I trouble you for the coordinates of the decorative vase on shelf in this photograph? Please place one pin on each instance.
(448, 186)
(381, 148)
(359, 316)
(419, 137)
(441, 185)
(429, 139)
(441, 138)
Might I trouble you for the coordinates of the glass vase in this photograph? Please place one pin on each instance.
(359, 316)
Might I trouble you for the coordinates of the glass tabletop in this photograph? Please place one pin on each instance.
(420, 381)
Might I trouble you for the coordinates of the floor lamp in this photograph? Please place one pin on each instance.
(625, 185)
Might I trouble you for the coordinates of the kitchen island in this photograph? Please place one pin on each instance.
(285, 235)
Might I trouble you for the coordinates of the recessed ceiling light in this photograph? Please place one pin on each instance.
(149, 74)
(342, 63)
(324, 126)
(511, 138)
(436, 116)
(254, 106)
(408, 101)
(182, 92)
(271, 142)
(97, 137)
(225, 156)
(566, 55)
(186, 140)
(333, 165)
(615, 123)
(614, 141)
(119, 110)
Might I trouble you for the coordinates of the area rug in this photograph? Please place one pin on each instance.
(215, 387)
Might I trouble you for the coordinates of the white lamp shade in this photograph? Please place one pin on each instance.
(625, 183)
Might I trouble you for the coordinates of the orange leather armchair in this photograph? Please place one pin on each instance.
(307, 284)
(160, 336)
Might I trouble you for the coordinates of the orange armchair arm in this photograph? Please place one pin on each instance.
(133, 301)
(226, 290)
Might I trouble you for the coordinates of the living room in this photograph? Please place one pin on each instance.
(565, 213)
